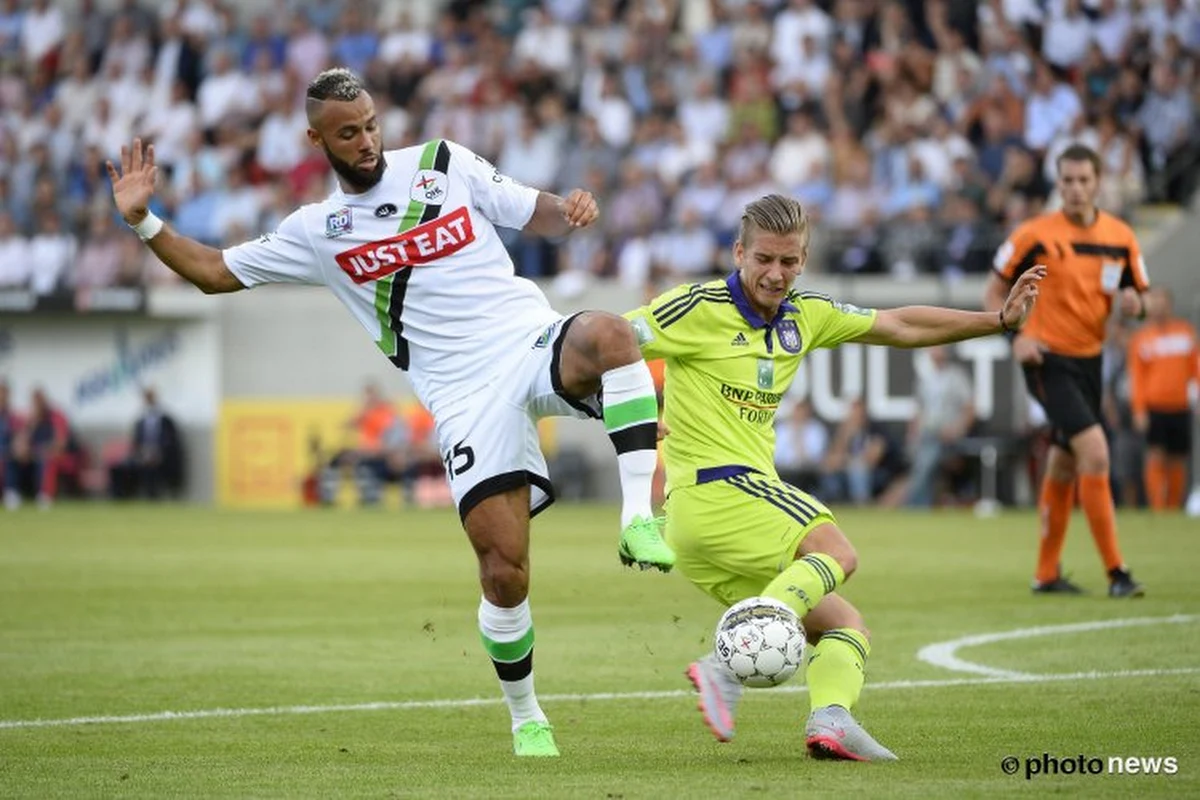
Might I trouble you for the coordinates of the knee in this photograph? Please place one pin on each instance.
(1093, 461)
(505, 580)
(613, 339)
(1061, 473)
(847, 559)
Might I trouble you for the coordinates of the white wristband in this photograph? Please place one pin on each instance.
(149, 227)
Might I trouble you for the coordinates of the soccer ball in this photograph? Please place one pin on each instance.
(761, 641)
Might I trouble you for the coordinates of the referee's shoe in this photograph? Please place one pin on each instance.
(1122, 584)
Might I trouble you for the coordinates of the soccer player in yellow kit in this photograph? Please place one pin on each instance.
(732, 347)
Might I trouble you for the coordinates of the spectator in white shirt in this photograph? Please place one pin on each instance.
(686, 251)
(705, 115)
(129, 95)
(1161, 19)
(42, 31)
(282, 139)
(1066, 36)
(953, 59)
(16, 262)
(614, 115)
(238, 208)
(51, 253)
(801, 153)
(126, 46)
(946, 414)
(544, 41)
(803, 78)
(532, 156)
(1112, 28)
(101, 257)
(1050, 109)
(680, 155)
(105, 131)
(800, 444)
(171, 124)
(222, 93)
(307, 50)
(405, 42)
(197, 18)
(77, 93)
(801, 18)
(704, 192)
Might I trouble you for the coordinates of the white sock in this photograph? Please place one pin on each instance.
(636, 469)
(631, 419)
(508, 638)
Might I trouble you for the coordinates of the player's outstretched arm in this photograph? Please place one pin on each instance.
(198, 264)
(555, 216)
(923, 326)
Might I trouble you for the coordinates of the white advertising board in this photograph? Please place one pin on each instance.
(94, 368)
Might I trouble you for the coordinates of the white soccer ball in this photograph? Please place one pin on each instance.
(761, 641)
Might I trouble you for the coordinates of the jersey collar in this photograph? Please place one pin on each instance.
(742, 302)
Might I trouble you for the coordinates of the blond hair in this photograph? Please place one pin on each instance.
(774, 213)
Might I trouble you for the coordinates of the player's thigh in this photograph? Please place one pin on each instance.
(489, 446)
(732, 537)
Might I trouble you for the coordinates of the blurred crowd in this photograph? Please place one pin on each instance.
(916, 131)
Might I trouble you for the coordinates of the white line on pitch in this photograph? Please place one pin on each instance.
(943, 654)
(409, 705)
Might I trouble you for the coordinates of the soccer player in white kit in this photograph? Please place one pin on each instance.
(408, 243)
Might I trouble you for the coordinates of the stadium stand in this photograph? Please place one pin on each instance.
(917, 131)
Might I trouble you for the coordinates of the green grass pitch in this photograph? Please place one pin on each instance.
(340, 645)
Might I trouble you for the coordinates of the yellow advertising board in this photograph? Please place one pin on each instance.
(266, 448)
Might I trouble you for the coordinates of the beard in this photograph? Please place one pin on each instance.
(356, 178)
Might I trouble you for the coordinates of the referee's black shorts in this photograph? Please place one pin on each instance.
(1070, 391)
(1170, 430)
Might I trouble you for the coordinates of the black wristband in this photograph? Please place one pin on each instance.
(1004, 325)
(1141, 307)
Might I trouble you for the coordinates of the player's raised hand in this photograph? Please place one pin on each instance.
(134, 184)
(580, 209)
(1022, 296)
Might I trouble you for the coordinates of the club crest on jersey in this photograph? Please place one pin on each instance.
(429, 186)
(789, 335)
(338, 223)
(415, 247)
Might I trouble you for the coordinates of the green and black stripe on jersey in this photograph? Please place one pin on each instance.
(677, 308)
(390, 291)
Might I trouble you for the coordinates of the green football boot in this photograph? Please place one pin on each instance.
(535, 739)
(642, 544)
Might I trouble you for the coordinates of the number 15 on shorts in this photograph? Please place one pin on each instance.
(458, 460)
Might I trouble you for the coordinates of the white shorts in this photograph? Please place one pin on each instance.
(489, 440)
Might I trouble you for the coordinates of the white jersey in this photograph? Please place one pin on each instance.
(418, 262)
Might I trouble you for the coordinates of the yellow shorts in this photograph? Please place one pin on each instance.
(733, 535)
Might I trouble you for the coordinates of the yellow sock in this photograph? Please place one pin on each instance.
(802, 585)
(835, 669)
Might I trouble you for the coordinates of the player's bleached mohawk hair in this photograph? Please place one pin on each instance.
(337, 83)
(774, 213)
